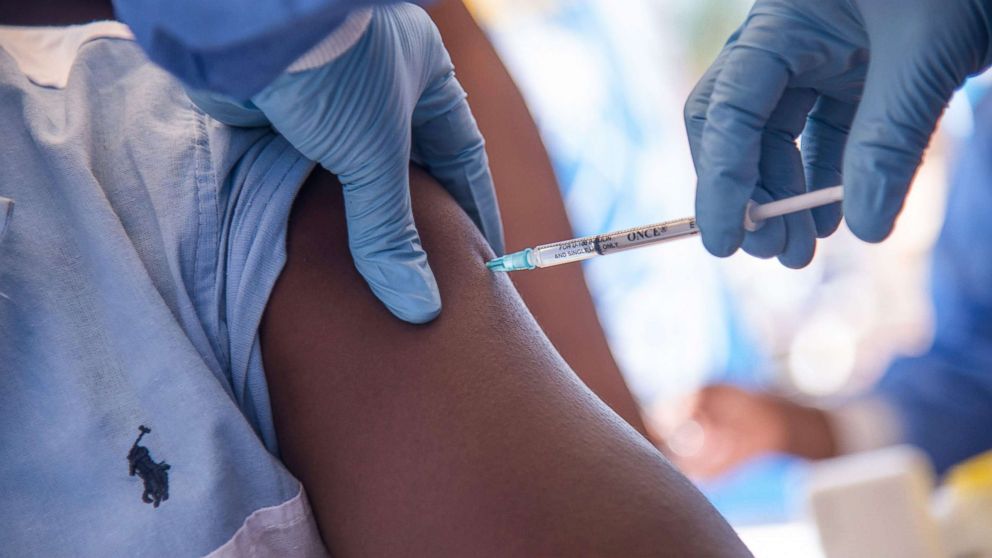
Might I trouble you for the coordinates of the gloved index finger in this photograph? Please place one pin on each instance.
(386, 246)
(749, 87)
(824, 140)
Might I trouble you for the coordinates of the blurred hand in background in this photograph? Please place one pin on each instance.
(722, 426)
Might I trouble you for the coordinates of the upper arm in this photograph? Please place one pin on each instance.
(466, 436)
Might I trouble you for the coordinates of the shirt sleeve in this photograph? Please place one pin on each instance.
(944, 397)
(235, 47)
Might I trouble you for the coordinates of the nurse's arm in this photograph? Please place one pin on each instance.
(468, 436)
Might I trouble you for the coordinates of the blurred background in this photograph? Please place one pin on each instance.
(606, 87)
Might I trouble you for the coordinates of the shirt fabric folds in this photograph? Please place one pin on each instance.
(142, 240)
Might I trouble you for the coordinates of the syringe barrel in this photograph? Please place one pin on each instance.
(579, 249)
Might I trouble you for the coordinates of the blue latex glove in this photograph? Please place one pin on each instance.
(231, 47)
(802, 67)
(360, 116)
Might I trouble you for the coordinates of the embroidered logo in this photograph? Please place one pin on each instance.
(154, 475)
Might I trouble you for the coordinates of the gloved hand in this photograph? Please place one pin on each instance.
(362, 116)
(863, 81)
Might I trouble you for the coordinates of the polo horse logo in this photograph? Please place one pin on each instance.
(154, 475)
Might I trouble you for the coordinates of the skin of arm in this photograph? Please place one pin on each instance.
(558, 297)
(468, 436)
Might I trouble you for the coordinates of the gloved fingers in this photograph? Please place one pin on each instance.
(801, 244)
(895, 119)
(745, 93)
(782, 172)
(791, 237)
(769, 240)
(354, 116)
(447, 141)
(369, 150)
(781, 177)
(386, 246)
(823, 144)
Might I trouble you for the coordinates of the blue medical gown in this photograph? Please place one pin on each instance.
(944, 397)
(234, 47)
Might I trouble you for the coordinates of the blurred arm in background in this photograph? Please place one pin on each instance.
(940, 401)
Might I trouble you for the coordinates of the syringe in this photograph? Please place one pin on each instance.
(578, 249)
